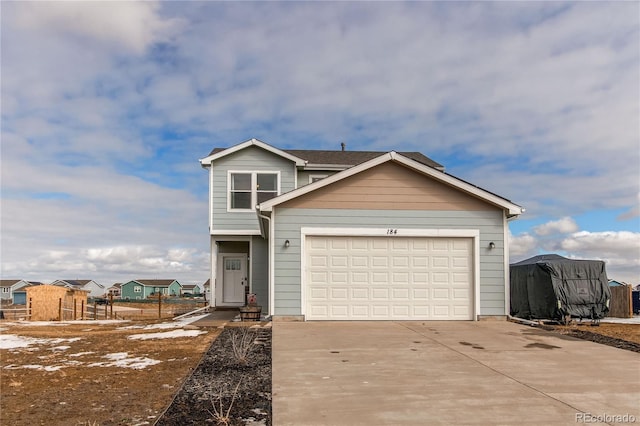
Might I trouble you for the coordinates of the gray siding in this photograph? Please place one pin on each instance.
(260, 271)
(288, 223)
(249, 159)
(303, 176)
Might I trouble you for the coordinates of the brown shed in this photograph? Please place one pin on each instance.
(55, 303)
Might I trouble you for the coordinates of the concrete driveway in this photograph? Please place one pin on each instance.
(423, 373)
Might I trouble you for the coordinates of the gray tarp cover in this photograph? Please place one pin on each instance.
(552, 286)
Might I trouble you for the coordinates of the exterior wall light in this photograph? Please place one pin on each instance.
(492, 245)
(287, 244)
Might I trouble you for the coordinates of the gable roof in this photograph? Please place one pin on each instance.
(512, 209)
(353, 158)
(308, 158)
(8, 283)
(223, 152)
(155, 283)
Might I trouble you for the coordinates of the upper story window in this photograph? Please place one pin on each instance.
(247, 189)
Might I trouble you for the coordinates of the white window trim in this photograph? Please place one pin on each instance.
(137, 289)
(254, 193)
(5, 289)
(312, 177)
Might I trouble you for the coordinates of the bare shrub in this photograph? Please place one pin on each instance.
(242, 343)
(220, 415)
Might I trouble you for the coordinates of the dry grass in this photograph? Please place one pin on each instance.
(77, 393)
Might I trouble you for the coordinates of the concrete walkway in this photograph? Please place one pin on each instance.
(217, 318)
(424, 373)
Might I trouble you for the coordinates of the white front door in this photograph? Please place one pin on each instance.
(234, 278)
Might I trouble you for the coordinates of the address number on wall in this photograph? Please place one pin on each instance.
(392, 231)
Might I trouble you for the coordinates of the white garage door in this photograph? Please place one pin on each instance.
(388, 278)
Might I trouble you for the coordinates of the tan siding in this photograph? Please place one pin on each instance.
(389, 186)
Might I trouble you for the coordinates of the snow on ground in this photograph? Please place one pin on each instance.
(167, 334)
(634, 320)
(121, 359)
(12, 341)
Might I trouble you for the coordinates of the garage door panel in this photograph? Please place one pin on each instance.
(400, 294)
(339, 311)
(358, 262)
(388, 278)
(338, 293)
(319, 294)
(379, 262)
(359, 294)
(339, 261)
(380, 311)
(360, 311)
(359, 277)
(380, 293)
(378, 278)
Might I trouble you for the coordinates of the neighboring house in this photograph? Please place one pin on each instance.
(349, 235)
(115, 290)
(94, 289)
(193, 289)
(141, 289)
(8, 287)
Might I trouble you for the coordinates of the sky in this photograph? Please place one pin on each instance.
(107, 107)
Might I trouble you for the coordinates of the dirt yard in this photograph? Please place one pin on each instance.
(95, 373)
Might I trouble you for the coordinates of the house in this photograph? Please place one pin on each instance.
(94, 289)
(352, 235)
(141, 289)
(192, 289)
(55, 302)
(9, 287)
(115, 290)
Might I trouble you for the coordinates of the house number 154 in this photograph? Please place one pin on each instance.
(392, 231)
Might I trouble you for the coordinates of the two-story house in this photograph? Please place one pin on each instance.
(353, 235)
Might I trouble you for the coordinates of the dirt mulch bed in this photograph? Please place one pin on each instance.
(240, 391)
(622, 336)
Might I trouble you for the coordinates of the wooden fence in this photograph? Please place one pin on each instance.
(621, 305)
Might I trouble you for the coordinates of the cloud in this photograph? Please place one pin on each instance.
(565, 225)
(133, 26)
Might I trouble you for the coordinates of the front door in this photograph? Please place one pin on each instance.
(234, 278)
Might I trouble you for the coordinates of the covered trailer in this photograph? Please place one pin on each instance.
(553, 287)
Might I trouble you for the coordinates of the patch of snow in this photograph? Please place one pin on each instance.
(81, 354)
(60, 348)
(121, 359)
(167, 334)
(34, 367)
(12, 341)
(634, 320)
(41, 323)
